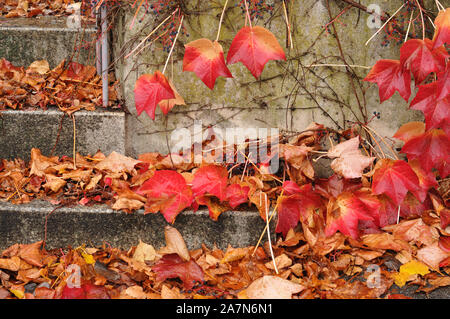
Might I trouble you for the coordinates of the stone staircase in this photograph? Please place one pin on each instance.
(24, 40)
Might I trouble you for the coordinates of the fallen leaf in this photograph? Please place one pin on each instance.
(272, 287)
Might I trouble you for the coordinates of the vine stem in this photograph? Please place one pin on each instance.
(248, 14)
(173, 45)
(341, 65)
(291, 44)
(265, 228)
(421, 16)
(74, 143)
(387, 21)
(151, 33)
(268, 233)
(409, 25)
(221, 20)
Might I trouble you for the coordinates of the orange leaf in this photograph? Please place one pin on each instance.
(442, 31)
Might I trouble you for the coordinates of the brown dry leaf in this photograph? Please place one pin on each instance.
(436, 283)
(171, 293)
(39, 162)
(432, 255)
(54, 183)
(117, 163)
(144, 252)
(40, 67)
(93, 182)
(32, 253)
(175, 243)
(384, 241)
(127, 204)
(349, 162)
(233, 254)
(282, 261)
(272, 287)
(14, 264)
(414, 230)
(133, 292)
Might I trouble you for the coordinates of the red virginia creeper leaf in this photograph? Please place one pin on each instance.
(237, 194)
(210, 179)
(335, 185)
(150, 89)
(254, 47)
(409, 130)
(432, 149)
(442, 31)
(173, 266)
(205, 58)
(419, 56)
(394, 178)
(296, 207)
(390, 76)
(168, 193)
(167, 105)
(437, 112)
(443, 83)
(343, 214)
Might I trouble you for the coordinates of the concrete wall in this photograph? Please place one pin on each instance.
(289, 95)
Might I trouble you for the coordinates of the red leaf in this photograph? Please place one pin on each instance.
(394, 178)
(443, 83)
(390, 77)
(254, 47)
(290, 188)
(409, 130)
(437, 112)
(237, 194)
(86, 291)
(215, 208)
(427, 179)
(210, 179)
(167, 105)
(205, 58)
(296, 207)
(444, 243)
(336, 185)
(420, 57)
(343, 214)
(432, 149)
(167, 192)
(442, 31)
(73, 293)
(150, 89)
(173, 266)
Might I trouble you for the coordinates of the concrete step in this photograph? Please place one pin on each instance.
(96, 225)
(22, 130)
(24, 40)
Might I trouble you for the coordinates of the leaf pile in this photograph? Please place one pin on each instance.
(172, 272)
(70, 86)
(32, 8)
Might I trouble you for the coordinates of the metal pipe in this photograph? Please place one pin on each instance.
(105, 50)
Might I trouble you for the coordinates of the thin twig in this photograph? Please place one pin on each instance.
(409, 25)
(291, 44)
(74, 142)
(421, 16)
(173, 45)
(268, 233)
(221, 20)
(341, 65)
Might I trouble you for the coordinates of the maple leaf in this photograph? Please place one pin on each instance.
(173, 266)
(436, 111)
(442, 31)
(349, 162)
(237, 194)
(390, 76)
(343, 214)
(149, 90)
(432, 149)
(205, 58)
(419, 56)
(211, 179)
(296, 207)
(254, 47)
(394, 178)
(168, 193)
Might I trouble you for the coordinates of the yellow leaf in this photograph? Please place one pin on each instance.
(88, 258)
(18, 293)
(408, 270)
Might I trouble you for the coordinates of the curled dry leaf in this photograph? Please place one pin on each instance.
(117, 163)
(144, 252)
(175, 243)
(272, 287)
